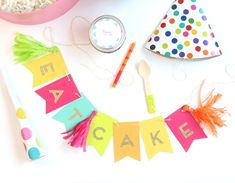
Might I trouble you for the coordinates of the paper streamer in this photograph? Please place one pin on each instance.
(29, 135)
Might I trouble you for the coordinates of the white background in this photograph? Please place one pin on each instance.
(209, 160)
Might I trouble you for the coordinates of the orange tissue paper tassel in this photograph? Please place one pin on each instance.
(206, 114)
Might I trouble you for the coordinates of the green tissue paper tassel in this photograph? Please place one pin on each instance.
(26, 49)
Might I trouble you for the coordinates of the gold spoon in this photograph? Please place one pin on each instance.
(144, 72)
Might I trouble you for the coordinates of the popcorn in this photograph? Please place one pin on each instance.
(24, 6)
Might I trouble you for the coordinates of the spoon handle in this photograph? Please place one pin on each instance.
(149, 97)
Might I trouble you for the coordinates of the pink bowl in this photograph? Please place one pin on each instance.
(51, 12)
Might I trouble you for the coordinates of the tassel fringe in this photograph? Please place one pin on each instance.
(206, 113)
(26, 49)
(78, 134)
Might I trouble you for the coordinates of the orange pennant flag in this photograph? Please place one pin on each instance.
(126, 140)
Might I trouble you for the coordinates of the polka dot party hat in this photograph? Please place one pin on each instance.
(184, 33)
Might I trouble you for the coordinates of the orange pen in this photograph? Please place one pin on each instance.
(128, 55)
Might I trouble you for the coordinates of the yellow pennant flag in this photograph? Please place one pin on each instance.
(155, 136)
(47, 68)
(101, 132)
(126, 140)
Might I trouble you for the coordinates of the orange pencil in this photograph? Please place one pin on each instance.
(132, 46)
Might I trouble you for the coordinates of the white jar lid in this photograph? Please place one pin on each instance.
(107, 34)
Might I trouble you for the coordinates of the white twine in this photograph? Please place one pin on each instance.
(49, 34)
(23, 6)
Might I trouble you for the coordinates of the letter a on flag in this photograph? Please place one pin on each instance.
(126, 140)
(185, 128)
(59, 93)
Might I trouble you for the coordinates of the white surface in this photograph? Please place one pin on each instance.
(209, 160)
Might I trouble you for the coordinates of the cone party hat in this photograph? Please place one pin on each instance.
(184, 33)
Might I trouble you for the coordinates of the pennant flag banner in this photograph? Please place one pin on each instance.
(59, 93)
(126, 140)
(185, 128)
(155, 136)
(75, 112)
(47, 68)
(87, 126)
(101, 132)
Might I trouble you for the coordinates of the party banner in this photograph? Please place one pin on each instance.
(47, 68)
(155, 136)
(101, 132)
(86, 126)
(75, 112)
(126, 140)
(59, 93)
(185, 128)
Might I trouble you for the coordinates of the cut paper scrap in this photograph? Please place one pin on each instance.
(184, 33)
(75, 112)
(155, 136)
(126, 140)
(185, 128)
(47, 68)
(29, 135)
(59, 93)
(101, 132)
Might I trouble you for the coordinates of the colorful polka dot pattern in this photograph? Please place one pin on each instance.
(31, 143)
(184, 33)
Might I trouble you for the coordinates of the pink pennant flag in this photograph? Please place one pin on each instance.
(185, 128)
(59, 93)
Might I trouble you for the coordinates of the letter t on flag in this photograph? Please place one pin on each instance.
(126, 140)
(185, 128)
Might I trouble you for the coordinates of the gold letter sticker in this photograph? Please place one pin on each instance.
(101, 132)
(57, 94)
(155, 136)
(95, 133)
(126, 140)
(186, 132)
(47, 68)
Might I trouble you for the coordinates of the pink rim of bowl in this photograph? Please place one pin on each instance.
(51, 12)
